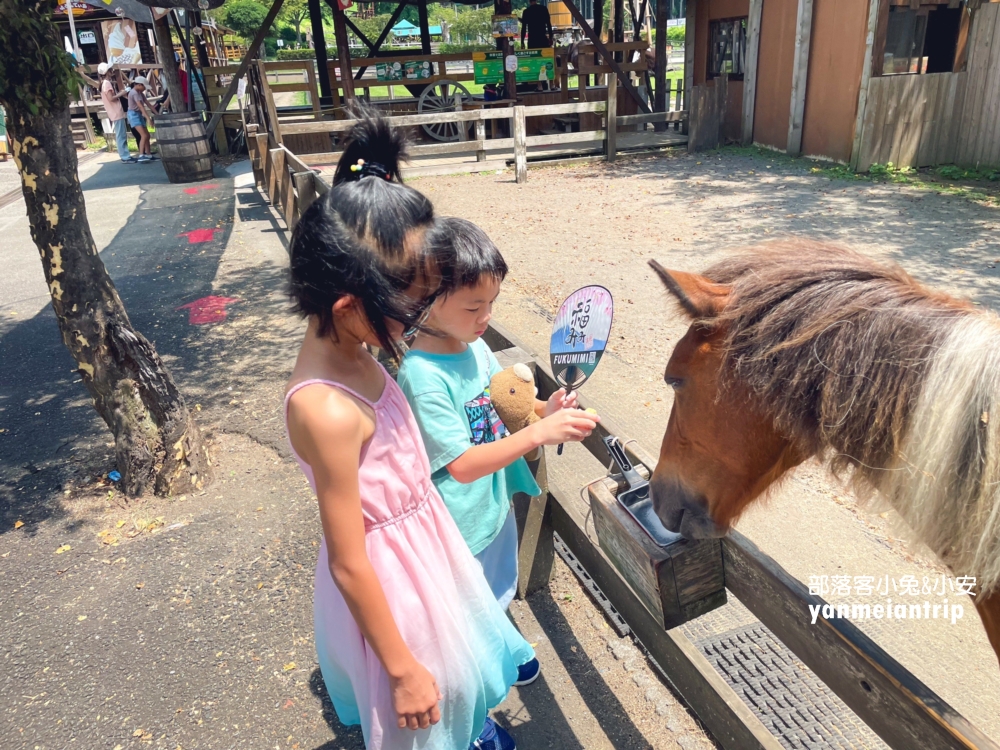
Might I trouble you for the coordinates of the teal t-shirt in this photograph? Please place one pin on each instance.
(450, 397)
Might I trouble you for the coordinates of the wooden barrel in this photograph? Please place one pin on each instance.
(184, 147)
(559, 14)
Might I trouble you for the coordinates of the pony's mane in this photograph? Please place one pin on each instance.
(862, 365)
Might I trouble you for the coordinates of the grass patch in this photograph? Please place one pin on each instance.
(980, 186)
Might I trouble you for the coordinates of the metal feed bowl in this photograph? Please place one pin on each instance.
(440, 97)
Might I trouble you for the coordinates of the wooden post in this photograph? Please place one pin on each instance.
(611, 116)
(253, 146)
(319, 43)
(265, 161)
(866, 73)
(463, 127)
(305, 186)
(481, 140)
(343, 52)
(609, 59)
(244, 64)
(690, 19)
(276, 157)
(425, 32)
(660, 79)
(618, 24)
(520, 146)
(272, 111)
(800, 77)
(750, 72)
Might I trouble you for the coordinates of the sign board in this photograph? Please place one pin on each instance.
(87, 36)
(506, 26)
(408, 70)
(532, 65)
(580, 335)
(280, 42)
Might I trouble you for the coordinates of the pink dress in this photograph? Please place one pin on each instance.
(439, 598)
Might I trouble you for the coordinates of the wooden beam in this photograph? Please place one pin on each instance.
(892, 702)
(608, 58)
(660, 77)
(866, 73)
(800, 77)
(520, 146)
(689, 42)
(425, 30)
(750, 72)
(360, 34)
(244, 64)
(319, 44)
(611, 115)
(343, 51)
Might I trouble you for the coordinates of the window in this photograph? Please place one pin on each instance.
(727, 48)
(921, 40)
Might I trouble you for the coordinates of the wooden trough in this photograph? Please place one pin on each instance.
(653, 589)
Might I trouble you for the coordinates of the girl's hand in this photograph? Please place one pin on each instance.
(415, 697)
(565, 426)
(559, 400)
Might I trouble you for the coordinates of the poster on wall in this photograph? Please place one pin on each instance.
(121, 41)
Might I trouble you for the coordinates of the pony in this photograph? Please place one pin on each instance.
(801, 349)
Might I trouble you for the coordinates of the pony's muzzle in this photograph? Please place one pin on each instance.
(682, 512)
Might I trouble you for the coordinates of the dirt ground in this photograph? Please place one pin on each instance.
(572, 226)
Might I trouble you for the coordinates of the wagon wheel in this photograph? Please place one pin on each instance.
(440, 97)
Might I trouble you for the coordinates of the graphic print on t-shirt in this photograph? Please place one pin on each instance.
(484, 420)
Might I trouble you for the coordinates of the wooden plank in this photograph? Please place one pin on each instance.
(866, 75)
(660, 92)
(800, 77)
(555, 139)
(935, 96)
(948, 148)
(900, 709)
(276, 160)
(988, 122)
(653, 117)
(520, 146)
(289, 201)
(294, 163)
(992, 158)
(750, 71)
(272, 113)
(438, 170)
(480, 127)
(732, 724)
(689, 44)
(283, 87)
(245, 63)
(265, 161)
(979, 56)
(611, 125)
(547, 110)
(460, 147)
(868, 132)
(650, 139)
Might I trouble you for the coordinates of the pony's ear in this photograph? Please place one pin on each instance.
(699, 297)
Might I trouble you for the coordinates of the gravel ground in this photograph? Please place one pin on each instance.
(571, 226)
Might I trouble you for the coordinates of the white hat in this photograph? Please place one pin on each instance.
(102, 69)
(140, 79)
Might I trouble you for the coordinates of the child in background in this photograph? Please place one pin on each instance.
(446, 378)
(139, 113)
(411, 642)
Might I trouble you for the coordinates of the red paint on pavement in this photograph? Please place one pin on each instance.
(199, 235)
(194, 190)
(207, 309)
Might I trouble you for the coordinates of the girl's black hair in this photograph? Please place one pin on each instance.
(359, 239)
(465, 253)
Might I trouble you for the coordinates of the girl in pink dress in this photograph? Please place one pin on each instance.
(411, 641)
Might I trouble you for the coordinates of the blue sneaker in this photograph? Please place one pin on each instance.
(528, 672)
(493, 737)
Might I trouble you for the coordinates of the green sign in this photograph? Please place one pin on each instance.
(400, 71)
(532, 65)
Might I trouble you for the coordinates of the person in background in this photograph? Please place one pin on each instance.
(139, 112)
(115, 111)
(182, 74)
(536, 24)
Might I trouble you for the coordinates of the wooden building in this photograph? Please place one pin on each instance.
(912, 82)
(105, 36)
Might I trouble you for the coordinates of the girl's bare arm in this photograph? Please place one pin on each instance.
(328, 430)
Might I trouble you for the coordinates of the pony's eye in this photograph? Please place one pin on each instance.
(674, 383)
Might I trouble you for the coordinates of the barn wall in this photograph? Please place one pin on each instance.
(836, 57)
(774, 72)
(707, 11)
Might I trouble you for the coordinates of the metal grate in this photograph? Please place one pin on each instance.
(791, 701)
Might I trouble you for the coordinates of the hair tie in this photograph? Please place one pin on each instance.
(371, 169)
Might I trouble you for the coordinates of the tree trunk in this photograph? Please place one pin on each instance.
(165, 51)
(157, 443)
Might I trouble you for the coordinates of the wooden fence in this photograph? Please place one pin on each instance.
(904, 712)
(940, 118)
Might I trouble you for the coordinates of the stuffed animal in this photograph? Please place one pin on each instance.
(512, 392)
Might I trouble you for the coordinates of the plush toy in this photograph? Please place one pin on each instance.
(512, 392)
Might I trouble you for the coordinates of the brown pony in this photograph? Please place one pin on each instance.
(802, 349)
